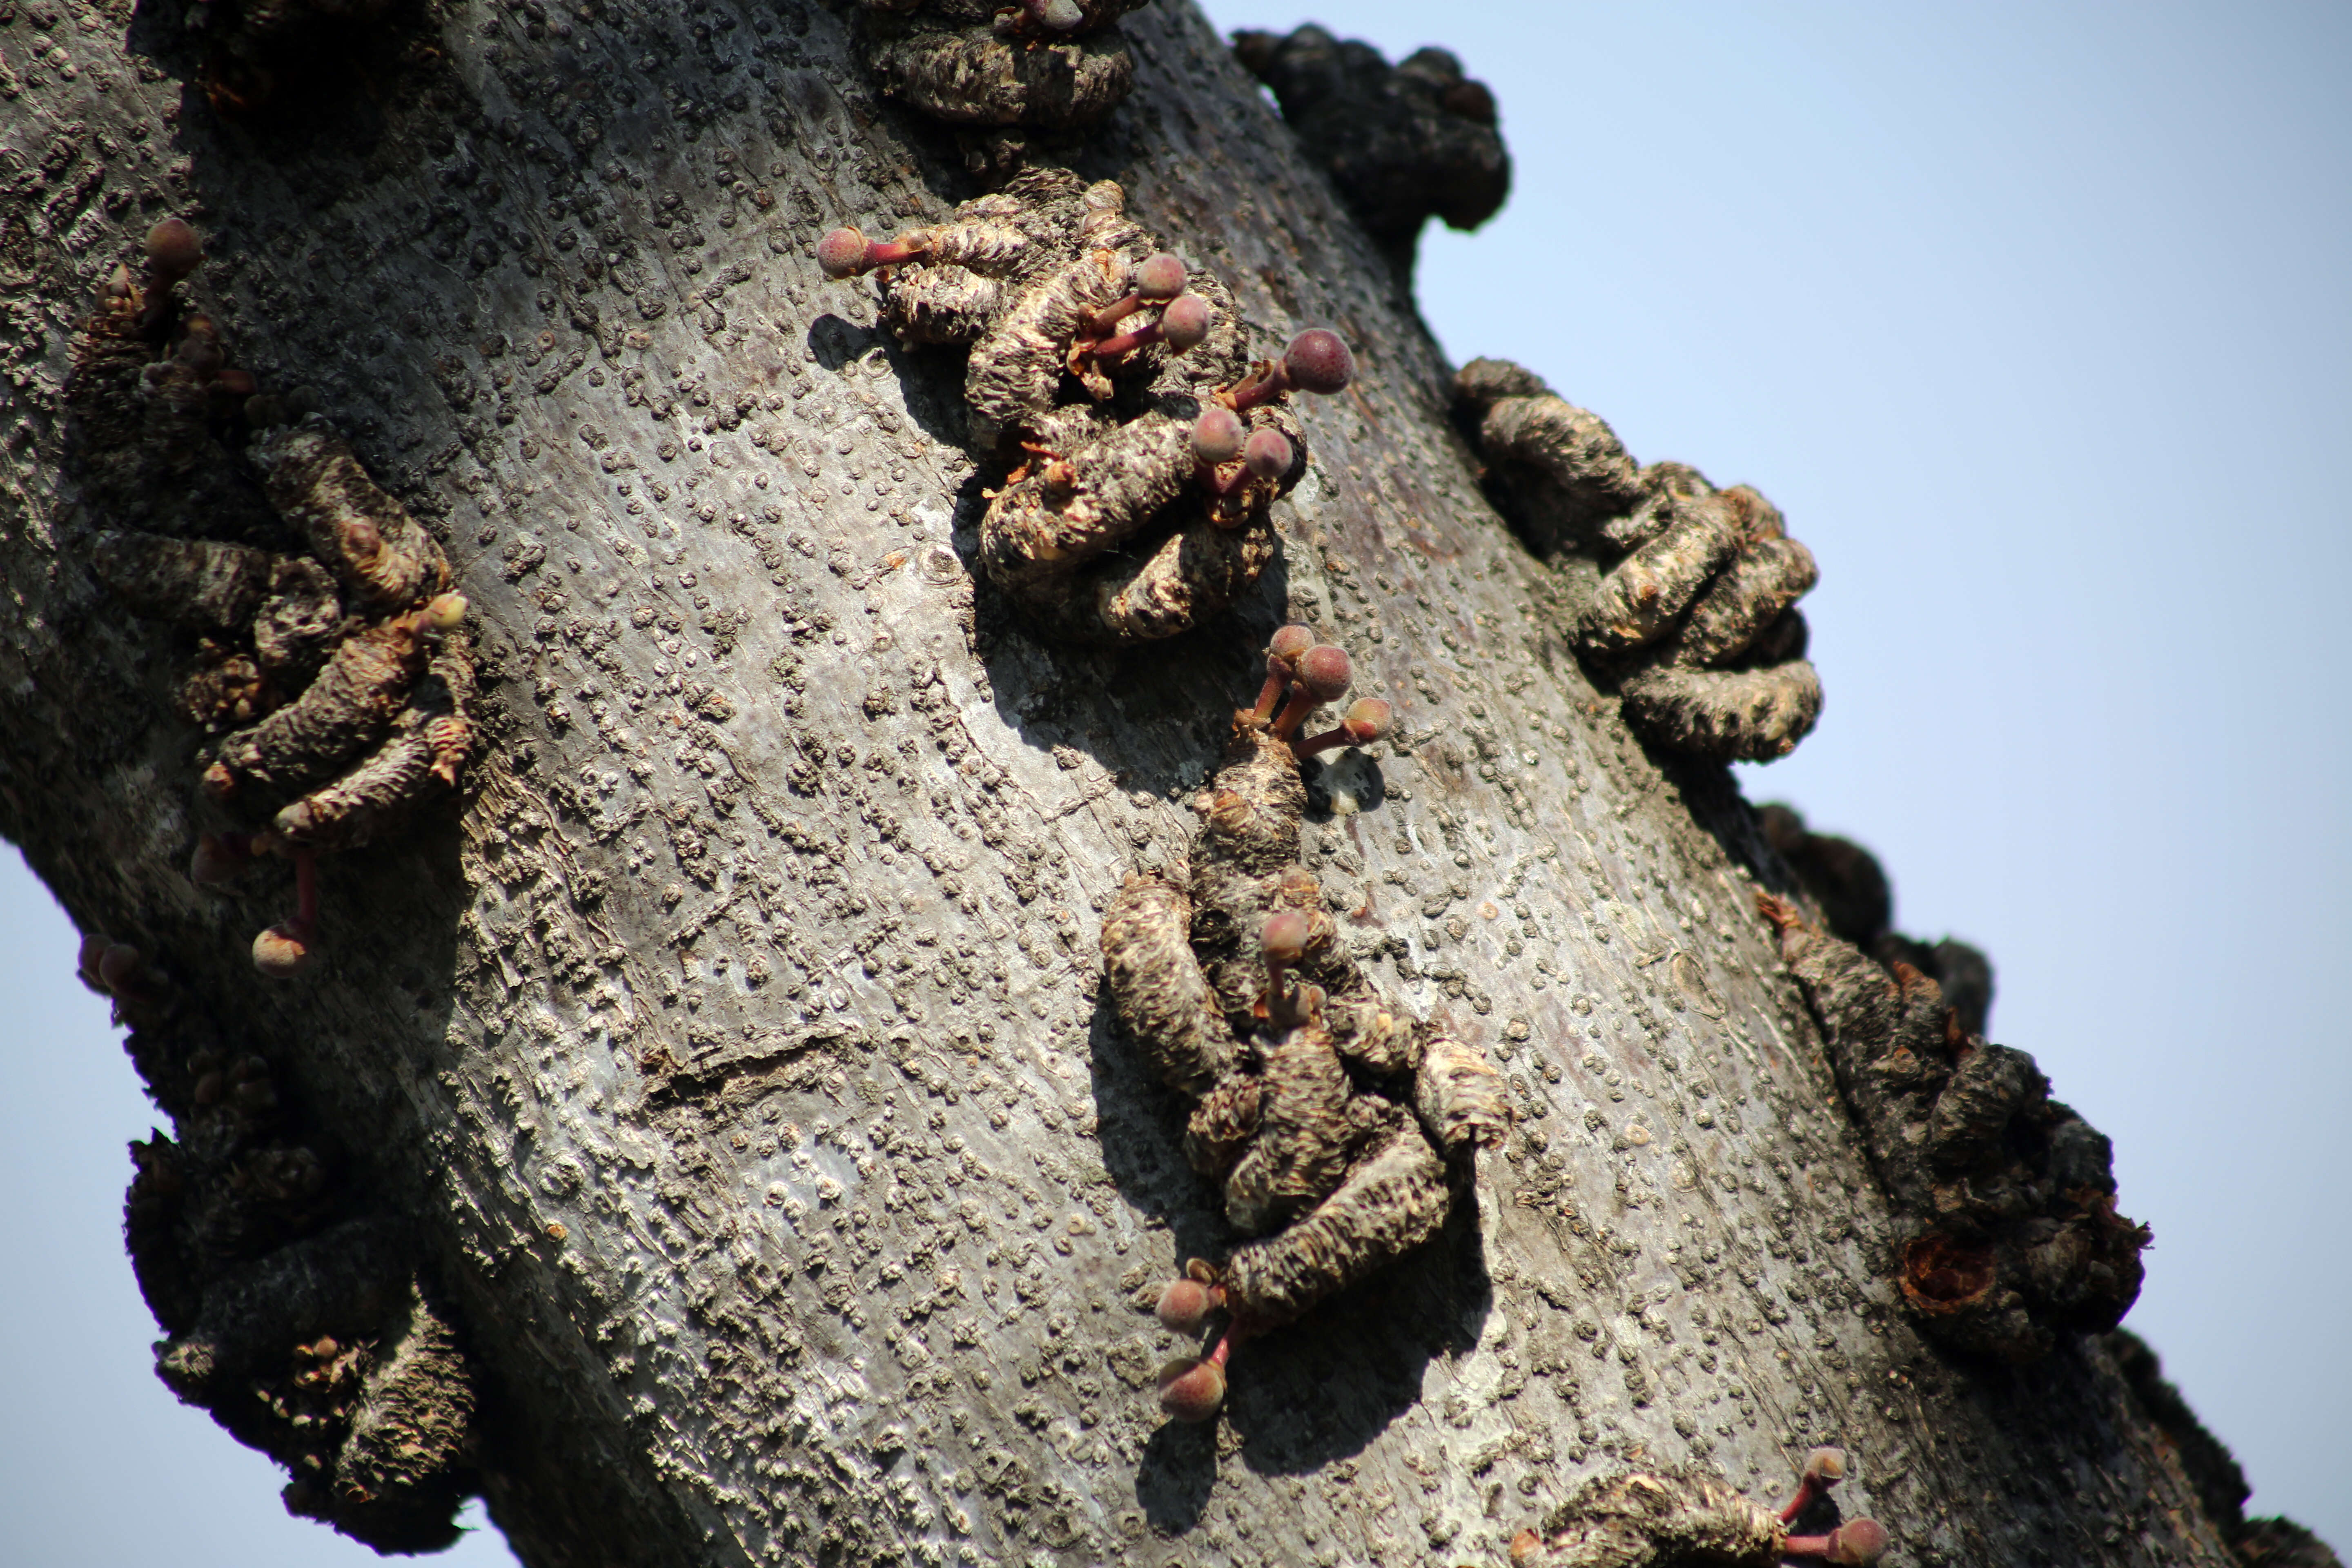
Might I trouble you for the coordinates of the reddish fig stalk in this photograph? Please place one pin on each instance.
(1182, 323)
(845, 253)
(1317, 360)
(1856, 1544)
(1158, 279)
(1824, 1468)
(286, 949)
(1367, 719)
(1324, 673)
(1193, 1387)
(1282, 656)
(1284, 943)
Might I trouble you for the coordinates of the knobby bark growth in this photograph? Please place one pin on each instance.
(728, 1076)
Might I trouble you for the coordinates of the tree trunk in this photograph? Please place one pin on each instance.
(735, 1056)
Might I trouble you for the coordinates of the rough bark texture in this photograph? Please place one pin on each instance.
(738, 1051)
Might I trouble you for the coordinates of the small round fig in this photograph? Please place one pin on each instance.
(1825, 1466)
(842, 253)
(1318, 360)
(173, 250)
(1191, 1389)
(1217, 435)
(1060, 16)
(1289, 642)
(282, 951)
(1857, 1543)
(1160, 277)
(1285, 936)
(1267, 455)
(1367, 719)
(1185, 321)
(119, 966)
(1325, 671)
(1183, 1306)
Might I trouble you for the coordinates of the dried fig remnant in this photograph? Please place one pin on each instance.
(1403, 143)
(2008, 1198)
(1144, 449)
(299, 1323)
(1846, 880)
(381, 555)
(151, 409)
(1666, 1519)
(1121, 520)
(1243, 998)
(325, 1356)
(1049, 64)
(345, 672)
(1695, 617)
(348, 707)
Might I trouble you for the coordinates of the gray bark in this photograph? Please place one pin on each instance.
(736, 1051)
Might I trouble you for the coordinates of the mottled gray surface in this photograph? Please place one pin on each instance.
(739, 1049)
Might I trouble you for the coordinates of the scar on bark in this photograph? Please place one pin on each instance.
(1402, 143)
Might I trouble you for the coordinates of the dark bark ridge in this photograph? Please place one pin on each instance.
(2268, 1541)
(738, 1059)
(1853, 899)
(2010, 1231)
(300, 1325)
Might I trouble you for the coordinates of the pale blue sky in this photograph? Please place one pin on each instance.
(2035, 321)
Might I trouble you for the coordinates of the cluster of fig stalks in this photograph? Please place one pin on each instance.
(1228, 451)
(337, 664)
(1317, 360)
(1143, 447)
(1191, 1388)
(1681, 1519)
(1302, 674)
